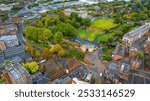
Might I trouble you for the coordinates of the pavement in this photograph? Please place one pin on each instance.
(95, 64)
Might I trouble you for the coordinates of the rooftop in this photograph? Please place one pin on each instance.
(137, 30)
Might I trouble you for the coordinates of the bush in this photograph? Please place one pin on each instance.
(106, 57)
(76, 53)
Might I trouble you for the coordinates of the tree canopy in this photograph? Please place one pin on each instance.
(32, 67)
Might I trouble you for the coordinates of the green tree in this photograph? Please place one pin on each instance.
(27, 22)
(139, 54)
(58, 37)
(66, 29)
(48, 22)
(32, 67)
(38, 23)
(45, 35)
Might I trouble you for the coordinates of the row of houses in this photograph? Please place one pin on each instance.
(136, 34)
(8, 41)
(8, 29)
(14, 54)
(126, 58)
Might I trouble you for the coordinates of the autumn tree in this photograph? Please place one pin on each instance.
(30, 49)
(45, 54)
(61, 53)
(56, 48)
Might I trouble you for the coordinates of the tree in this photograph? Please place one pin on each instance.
(58, 37)
(66, 29)
(29, 31)
(125, 28)
(61, 53)
(38, 23)
(30, 49)
(37, 34)
(56, 48)
(32, 67)
(46, 53)
(106, 57)
(76, 53)
(48, 22)
(27, 22)
(74, 15)
(45, 35)
(139, 54)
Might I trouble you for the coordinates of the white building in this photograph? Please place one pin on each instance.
(82, 14)
(89, 1)
(4, 7)
(10, 40)
(134, 35)
(77, 81)
(89, 48)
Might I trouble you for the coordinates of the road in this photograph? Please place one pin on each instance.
(22, 40)
(95, 64)
(20, 37)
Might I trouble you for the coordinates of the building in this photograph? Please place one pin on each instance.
(2, 59)
(2, 30)
(2, 46)
(17, 74)
(10, 27)
(119, 52)
(14, 51)
(134, 35)
(147, 46)
(10, 40)
(62, 80)
(82, 14)
(40, 78)
(85, 46)
(136, 63)
(18, 19)
(25, 12)
(77, 81)
(89, 1)
(4, 7)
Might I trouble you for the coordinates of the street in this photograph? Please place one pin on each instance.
(95, 64)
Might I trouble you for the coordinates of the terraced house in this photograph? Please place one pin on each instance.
(134, 35)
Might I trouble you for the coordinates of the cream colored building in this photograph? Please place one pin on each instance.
(134, 35)
(4, 7)
(82, 14)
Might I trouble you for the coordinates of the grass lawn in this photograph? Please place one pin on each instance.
(41, 46)
(104, 23)
(105, 38)
(92, 36)
(82, 33)
(90, 33)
